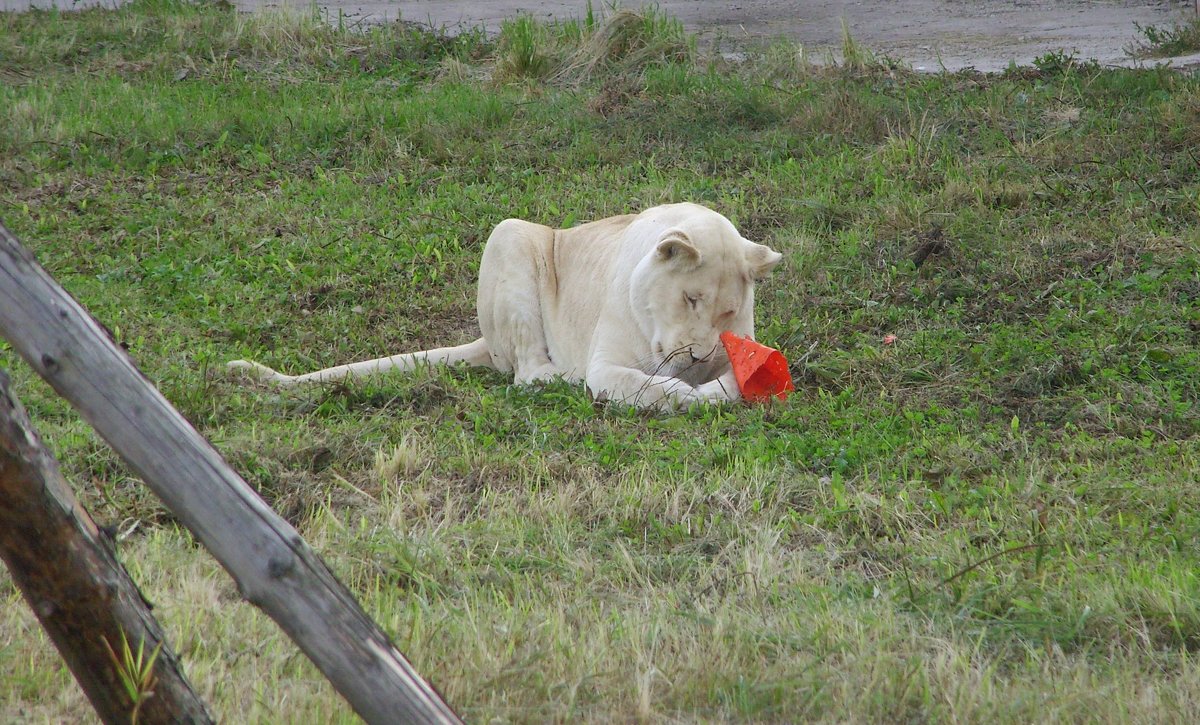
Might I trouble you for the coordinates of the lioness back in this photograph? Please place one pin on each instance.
(545, 287)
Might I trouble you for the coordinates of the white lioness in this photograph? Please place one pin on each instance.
(632, 305)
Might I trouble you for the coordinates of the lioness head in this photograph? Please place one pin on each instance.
(697, 281)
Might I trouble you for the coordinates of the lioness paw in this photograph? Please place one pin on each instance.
(719, 390)
(684, 396)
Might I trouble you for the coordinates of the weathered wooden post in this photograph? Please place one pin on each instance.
(82, 596)
(272, 565)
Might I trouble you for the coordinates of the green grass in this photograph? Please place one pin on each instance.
(991, 519)
(1158, 41)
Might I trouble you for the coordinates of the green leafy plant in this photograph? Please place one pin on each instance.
(136, 672)
(1163, 42)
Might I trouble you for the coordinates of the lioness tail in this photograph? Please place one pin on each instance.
(472, 353)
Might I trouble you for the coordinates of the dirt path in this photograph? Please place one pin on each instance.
(926, 33)
(986, 34)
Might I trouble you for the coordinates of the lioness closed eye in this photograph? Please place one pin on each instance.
(632, 305)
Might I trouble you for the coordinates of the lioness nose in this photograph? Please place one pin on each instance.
(705, 356)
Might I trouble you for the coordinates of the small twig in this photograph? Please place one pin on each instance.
(340, 479)
(122, 535)
(1057, 192)
(807, 354)
(986, 559)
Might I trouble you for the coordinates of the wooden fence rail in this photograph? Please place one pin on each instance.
(272, 565)
(83, 597)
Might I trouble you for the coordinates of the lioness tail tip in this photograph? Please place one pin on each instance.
(253, 369)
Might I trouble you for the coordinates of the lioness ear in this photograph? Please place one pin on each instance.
(674, 244)
(762, 259)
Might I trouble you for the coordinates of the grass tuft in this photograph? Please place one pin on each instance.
(627, 42)
(623, 43)
(524, 50)
(854, 56)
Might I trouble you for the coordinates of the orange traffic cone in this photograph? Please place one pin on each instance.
(761, 371)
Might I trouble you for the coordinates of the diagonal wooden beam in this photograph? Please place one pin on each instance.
(85, 600)
(272, 565)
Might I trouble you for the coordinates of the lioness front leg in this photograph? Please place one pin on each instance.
(632, 386)
(723, 388)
